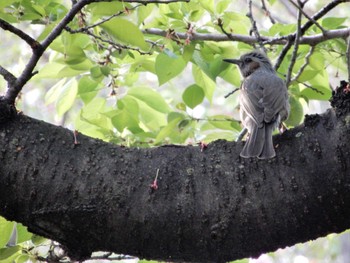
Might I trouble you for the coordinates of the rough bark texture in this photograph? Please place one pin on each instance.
(210, 206)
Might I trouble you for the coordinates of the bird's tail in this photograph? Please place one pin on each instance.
(259, 143)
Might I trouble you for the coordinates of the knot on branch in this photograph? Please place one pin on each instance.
(7, 110)
(340, 100)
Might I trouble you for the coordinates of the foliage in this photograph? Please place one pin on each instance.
(105, 60)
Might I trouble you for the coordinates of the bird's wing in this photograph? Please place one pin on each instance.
(274, 97)
(263, 96)
(250, 100)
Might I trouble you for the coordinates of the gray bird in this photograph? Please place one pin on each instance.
(263, 103)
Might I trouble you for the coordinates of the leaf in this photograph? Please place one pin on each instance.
(193, 96)
(125, 32)
(208, 5)
(63, 94)
(106, 9)
(167, 130)
(333, 22)
(9, 253)
(152, 98)
(22, 233)
(6, 228)
(307, 75)
(67, 97)
(123, 119)
(168, 67)
(87, 89)
(207, 84)
(296, 112)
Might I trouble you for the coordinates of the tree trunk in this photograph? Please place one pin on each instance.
(210, 206)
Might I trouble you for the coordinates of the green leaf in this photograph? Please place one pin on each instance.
(125, 32)
(167, 130)
(307, 75)
(67, 97)
(87, 89)
(22, 233)
(64, 94)
(193, 96)
(168, 67)
(208, 5)
(123, 119)
(207, 84)
(296, 112)
(222, 5)
(37, 240)
(152, 98)
(6, 228)
(106, 9)
(333, 22)
(9, 253)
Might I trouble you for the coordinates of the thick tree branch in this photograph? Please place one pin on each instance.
(209, 206)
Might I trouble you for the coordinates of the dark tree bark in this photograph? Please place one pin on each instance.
(210, 206)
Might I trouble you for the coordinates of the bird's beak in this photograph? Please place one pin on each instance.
(233, 61)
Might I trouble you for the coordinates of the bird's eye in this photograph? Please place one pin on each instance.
(248, 60)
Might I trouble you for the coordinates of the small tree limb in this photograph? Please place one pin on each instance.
(28, 39)
(8, 76)
(296, 45)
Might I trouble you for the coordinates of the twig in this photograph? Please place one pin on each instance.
(8, 76)
(28, 72)
(307, 16)
(305, 40)
(221, 25)
(115, 45)
(296, 46)
(312, 88)
(348, 57)
(254, 28)
(146, 2)
(267, 12)
(30, 41)
(283, 54)
(84, 29)
(232, 92)
(307, 61)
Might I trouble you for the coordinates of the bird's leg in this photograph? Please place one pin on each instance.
(282, 128)
(241, 134)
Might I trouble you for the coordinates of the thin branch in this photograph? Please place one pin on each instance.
(267, 12)
(28, 72)
(115, 45)
(307, 16)
(283, 54)
(306, 63)
(305, 40)
(348, 57)
(296, 45)
(254, 28)
(230, 93)
(312, 88)
(30, 41)
(8, 76)
(144, 2)
(84, 29)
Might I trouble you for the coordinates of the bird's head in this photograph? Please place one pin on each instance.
(250, 62)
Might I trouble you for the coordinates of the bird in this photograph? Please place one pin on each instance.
(264, 103)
